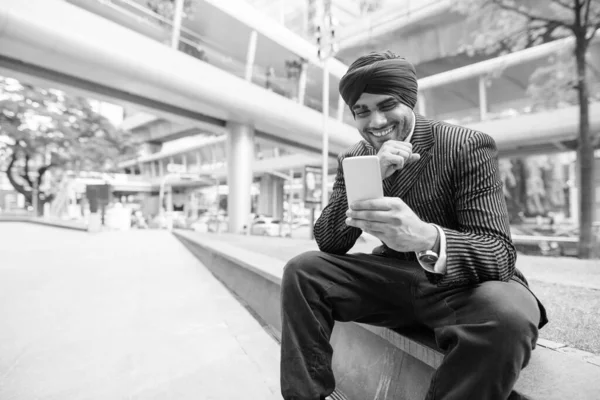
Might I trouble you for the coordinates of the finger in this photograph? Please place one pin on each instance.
(371, 227)
(381, 204)
(413, 158)
(376, 216)
(406, 154)
(396, 144)
(396, 162)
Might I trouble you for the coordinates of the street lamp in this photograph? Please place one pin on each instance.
(325, 33)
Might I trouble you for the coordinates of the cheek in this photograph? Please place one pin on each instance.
(360, 124)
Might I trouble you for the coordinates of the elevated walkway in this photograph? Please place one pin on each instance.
(37, 43)
(122, 315)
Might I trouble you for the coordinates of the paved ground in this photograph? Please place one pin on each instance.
(122, 315)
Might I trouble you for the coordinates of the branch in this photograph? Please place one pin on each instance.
(18, 187)
(565, 5)
(49, 198)
(25, 176)
(527, 14)
(592, 33)
(586, 14)
(41, 173)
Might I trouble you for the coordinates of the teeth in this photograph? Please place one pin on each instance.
(384, 132)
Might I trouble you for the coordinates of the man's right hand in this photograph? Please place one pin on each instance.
(394, 155)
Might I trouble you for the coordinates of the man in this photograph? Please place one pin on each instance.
(446, 259)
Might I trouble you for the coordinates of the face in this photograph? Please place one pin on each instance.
(380, 117)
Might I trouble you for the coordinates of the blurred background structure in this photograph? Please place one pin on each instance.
(221, 121)
(214, 115)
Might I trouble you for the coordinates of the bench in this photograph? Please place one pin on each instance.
(372, 362)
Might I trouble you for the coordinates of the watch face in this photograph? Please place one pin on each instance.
(429, 259)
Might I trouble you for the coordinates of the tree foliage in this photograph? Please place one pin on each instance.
(166, 8)
(502, 26)
(46, 129)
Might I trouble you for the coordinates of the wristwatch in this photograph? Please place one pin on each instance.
(430, 256)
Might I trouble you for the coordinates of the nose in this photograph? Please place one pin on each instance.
(378, 120)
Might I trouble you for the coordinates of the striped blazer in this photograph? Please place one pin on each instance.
(456, 184)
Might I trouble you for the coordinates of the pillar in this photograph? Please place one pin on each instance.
(250, 55)
(240, 153)
(421, 105)
(177, 17)
(483, 101)
(161, 168)
(270, 199)
(169, 198)
(302, 82)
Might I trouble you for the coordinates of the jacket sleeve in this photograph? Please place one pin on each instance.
(331, 232)
(480, 249)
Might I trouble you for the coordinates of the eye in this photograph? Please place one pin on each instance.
(389, 106)
(362, 113)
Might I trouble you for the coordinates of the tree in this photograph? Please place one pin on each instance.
(502, 26)
(47, 129)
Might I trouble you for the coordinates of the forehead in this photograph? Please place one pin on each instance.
(371, 100)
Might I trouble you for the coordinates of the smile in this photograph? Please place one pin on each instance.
(383, 132)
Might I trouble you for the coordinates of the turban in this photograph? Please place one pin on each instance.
(391, 76)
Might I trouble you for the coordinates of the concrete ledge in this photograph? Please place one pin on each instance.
(372, 362)
(58, 223)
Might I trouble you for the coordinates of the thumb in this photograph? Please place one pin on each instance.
(413, 158)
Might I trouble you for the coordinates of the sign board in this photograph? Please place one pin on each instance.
(98, 196)
(312, 184)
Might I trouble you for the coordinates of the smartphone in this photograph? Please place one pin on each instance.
(362, 176)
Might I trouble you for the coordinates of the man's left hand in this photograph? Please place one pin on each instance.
(393, 222)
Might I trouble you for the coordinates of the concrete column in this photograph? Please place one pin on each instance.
(574, 177)
(302, 83)
(270, 199)
(251, 55)
(483, 103)
(240, 153)
(177, 17)
(421, 105)
(193, 199)
(169, 201)
(185, 163)
(161, 168)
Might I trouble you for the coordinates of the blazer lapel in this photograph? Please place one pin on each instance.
(422, 140)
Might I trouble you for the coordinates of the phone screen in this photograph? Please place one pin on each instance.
(362, 176)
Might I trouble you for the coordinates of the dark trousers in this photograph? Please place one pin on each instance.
(486, 331)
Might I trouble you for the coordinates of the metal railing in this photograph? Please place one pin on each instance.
(209, 51)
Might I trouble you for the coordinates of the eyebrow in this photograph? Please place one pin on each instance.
(381, 103)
